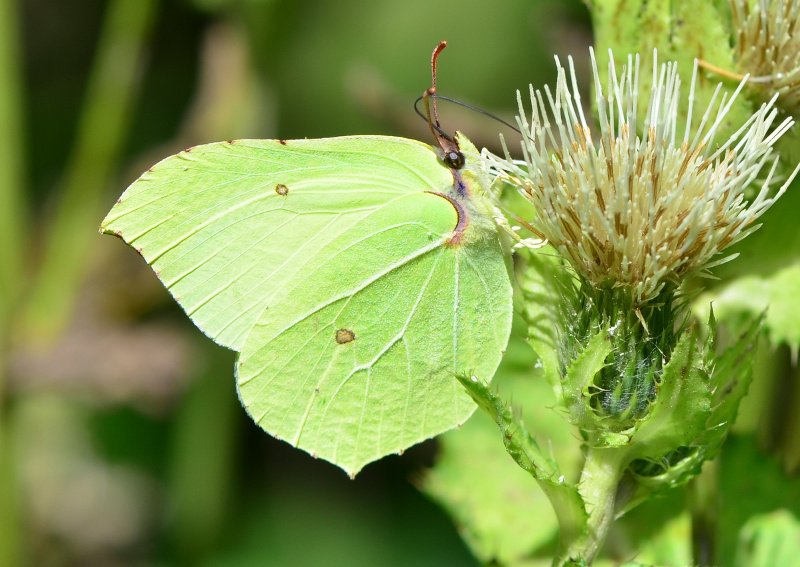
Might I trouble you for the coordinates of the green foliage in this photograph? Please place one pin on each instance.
(501, 516)
(579, 379)
(771, 539)
(681, 32)
(544, 284)
(567, 503)
(747, 297)
(669, 540)
(486, 492)
(730, 379)
(751, 484)
(682, 406)
(695, 397)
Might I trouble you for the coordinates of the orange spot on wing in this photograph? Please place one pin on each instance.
(344, 336)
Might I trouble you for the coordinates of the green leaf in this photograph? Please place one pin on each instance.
(542, 289)
(671, 545)
(565, 498)
(355, 276)
(518, 442)
(502, 515)
(681, 31)
(718, 402)
(730, 380)
(747, 297)
(682, 406)
(769, 540)
(656, 532)
(580, 376)
(751, 483)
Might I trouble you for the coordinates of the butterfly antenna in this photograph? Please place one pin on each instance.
(452, 155)
(438, 131)
(476, 109)
(435, 130)
(446, 142)
(432, 91)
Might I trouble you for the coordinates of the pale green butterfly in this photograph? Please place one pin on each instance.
(355, 277)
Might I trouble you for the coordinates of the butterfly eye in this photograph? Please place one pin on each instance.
(454, 159)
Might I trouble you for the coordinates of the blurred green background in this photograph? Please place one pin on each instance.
(121, 438)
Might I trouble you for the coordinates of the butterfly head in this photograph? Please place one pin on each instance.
(454, 159)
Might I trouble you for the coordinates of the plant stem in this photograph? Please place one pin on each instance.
(600, 479)
(11, 553)
(203, 456)
(12, 221)
(12, 163)
(703, 496)
(102, 130)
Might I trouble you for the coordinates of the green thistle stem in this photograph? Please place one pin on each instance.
(703, 495)
(600, 479)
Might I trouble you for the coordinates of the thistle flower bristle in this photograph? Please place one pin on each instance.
(767, 46)
(641, 212)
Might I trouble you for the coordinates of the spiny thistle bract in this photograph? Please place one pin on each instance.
(640, 212)
(767, 46)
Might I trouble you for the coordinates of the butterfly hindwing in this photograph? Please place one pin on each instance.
(374, 334)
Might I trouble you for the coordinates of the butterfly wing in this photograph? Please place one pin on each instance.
(330, 265)
(225, 224)
(356, 360)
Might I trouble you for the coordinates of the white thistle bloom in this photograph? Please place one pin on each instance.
(631, 211)
(767, 45)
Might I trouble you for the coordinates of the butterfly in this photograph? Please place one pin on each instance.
(354, 276)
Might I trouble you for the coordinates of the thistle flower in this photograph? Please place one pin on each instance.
(767, 46)
(639, 212)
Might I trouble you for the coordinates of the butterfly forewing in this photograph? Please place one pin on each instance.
(225, 224)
